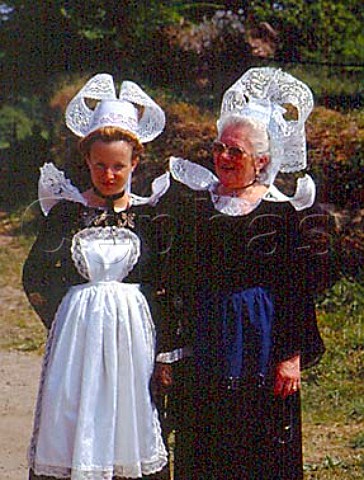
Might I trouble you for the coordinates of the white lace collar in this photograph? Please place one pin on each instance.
(53, 186)
(197, 178)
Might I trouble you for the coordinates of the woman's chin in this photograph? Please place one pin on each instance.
(111, 189)
(229, 185)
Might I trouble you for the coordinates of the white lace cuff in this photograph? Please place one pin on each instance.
(175, 355)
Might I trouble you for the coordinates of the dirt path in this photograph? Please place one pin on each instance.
(19, 374)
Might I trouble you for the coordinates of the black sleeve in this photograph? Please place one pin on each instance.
(319, 249)
(295, 328)
(173, 302)
(43, 270)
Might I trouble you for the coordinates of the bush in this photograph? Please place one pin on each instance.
(335, 143)
(207, 56)
(14, 125)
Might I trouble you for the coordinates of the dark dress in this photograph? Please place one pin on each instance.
(245, 304)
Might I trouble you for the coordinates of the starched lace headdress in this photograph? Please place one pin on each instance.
(133, 111)
(261, 94)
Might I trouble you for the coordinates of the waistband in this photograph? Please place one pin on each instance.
(98, 283)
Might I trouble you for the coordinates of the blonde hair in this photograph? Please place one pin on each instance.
(107, 135)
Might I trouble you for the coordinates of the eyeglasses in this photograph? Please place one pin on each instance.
(236, 153)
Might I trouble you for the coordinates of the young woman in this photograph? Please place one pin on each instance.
(90, 274)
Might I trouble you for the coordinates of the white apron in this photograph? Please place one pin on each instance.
(94, 416)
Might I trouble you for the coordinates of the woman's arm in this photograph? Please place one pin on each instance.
(297, 341)
(43, 269)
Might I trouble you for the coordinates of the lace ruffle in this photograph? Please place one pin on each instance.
(200, 178)
(129, 471)
(197, 177)
(137, 470)
(191, 174)
(175, 355)
(53, 186)
(160, 185)
(233, 206)
(304, 196)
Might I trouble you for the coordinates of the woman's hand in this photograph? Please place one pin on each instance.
(37, 299)
(288, 377)
(162, 378)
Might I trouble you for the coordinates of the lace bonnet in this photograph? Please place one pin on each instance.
(261, 94)
(121, 112)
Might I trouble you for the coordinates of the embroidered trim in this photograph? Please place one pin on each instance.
(156, 464)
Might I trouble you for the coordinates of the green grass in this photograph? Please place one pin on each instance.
(335, 469)
(333, 391)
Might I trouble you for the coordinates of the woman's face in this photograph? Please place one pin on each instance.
(235, 167)
(110, 165)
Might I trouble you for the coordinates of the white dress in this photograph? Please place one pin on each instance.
(94, 417)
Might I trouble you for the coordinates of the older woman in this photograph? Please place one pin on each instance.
(88, 275)
(242, 263)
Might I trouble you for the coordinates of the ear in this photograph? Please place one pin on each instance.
(261, 162)
(87, 160)
(134, 162)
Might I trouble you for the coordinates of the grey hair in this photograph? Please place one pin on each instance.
(258, 133)
(259, 138)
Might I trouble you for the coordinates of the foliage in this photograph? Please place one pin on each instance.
(58, 36)
(335, 380)
(14, 125)
(211, 53)
(333, 408)
(169, 42)
(336, 154)
(345, 296)
(319, 30)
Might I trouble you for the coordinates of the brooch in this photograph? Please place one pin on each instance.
(123, 219)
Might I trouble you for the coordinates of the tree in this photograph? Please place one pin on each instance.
(41, 38)
(319, 30)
